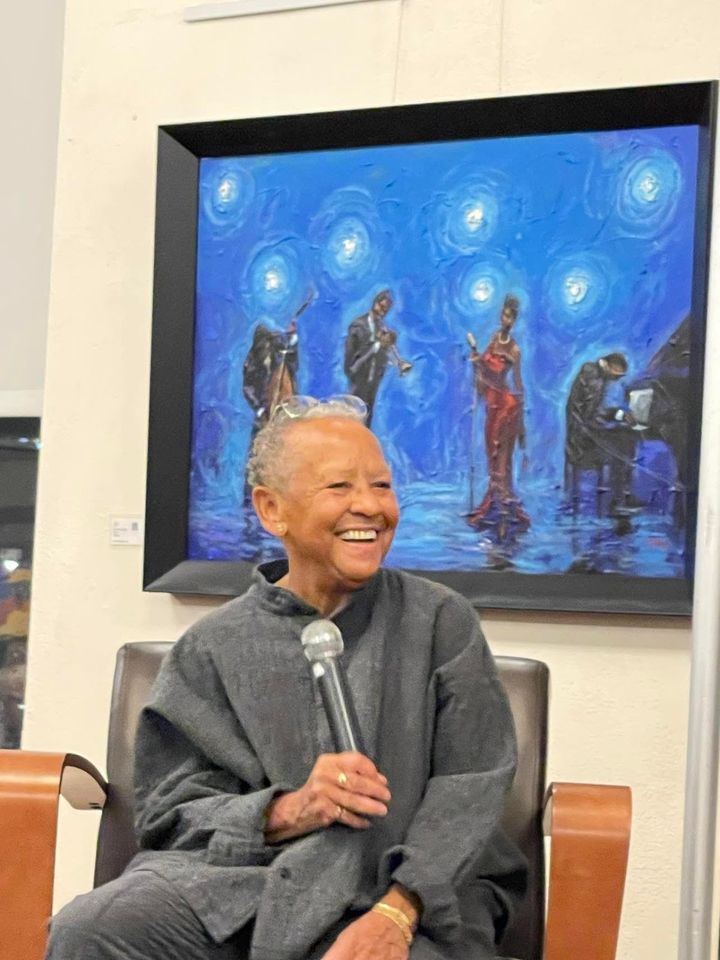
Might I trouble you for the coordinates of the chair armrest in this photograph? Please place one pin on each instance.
(31, 785)
(589, 827)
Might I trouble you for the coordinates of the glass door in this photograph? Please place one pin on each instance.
(19, 446)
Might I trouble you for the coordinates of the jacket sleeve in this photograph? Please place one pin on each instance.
(586, 401)
(360, 348)
(292, 355)
(472, 767)
(353, 349)
(198, 783)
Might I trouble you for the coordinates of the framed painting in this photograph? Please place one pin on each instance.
(517, 289)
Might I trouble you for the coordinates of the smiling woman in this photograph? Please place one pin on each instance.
(322, 486)
(253, 826)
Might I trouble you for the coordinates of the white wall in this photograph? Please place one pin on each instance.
(30, 68)
(620, 685)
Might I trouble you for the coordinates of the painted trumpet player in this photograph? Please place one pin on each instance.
(552, 439)
(370, 347)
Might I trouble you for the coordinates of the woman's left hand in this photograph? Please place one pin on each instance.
(371, 937)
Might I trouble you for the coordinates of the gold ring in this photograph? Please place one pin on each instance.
(340, 811)
(342, 778)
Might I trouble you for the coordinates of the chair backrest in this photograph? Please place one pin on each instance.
(136, 667)
(526, 682)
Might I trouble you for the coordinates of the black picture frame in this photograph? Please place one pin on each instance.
(180, 149)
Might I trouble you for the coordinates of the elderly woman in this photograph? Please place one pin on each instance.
(257, 839)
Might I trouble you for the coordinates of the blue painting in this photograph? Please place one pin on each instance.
(515, 313)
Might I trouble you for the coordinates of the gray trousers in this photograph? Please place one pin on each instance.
(140, 916)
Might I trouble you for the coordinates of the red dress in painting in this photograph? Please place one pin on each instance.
(503, 427)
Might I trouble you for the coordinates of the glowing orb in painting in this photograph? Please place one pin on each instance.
(649, 191)
(475, 217)
(348, 237)
(274, 280)
(578, 289)
(482, 290)
(468, 215)
(227, 196)
(479, 289)
(473, 221)
(349, 249)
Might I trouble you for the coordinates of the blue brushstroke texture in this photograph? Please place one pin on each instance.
(592, 232)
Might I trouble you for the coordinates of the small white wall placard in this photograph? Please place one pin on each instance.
(127, 531)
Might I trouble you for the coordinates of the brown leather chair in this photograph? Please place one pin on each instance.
(589, 825)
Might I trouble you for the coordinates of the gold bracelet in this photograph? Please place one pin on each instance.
(397, 917)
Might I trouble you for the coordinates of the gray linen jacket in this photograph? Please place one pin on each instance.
(235, 718)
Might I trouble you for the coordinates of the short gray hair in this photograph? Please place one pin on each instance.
(269, 443)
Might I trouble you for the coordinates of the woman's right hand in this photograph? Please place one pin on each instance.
(342, 788)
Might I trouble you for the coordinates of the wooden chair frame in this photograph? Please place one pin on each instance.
(589, 827)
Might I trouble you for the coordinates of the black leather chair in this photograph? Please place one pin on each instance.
(589, 825)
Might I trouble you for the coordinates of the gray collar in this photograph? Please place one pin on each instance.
(284, 603)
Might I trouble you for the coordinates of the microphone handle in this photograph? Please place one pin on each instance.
(338, 704)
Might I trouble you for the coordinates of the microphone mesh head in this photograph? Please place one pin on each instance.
(321, 639)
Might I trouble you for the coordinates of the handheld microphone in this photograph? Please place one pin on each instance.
(322, 644)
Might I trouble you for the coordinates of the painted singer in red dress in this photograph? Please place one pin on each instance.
(503, 422)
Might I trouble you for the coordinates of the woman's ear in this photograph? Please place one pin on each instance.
(268, 507)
